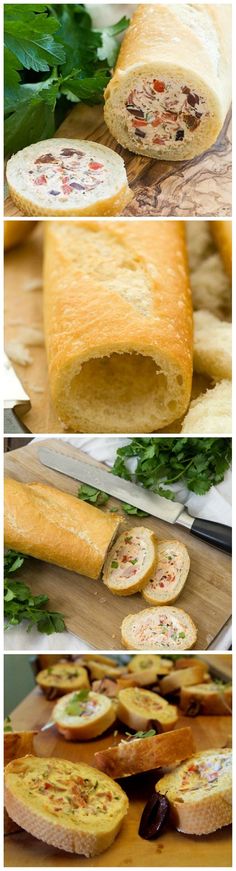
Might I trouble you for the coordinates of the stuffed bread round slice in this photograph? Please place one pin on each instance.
(62, 678)
(137, 707)
(171, 88)
(68, 177)
(72, 806)
(143, 662)
(83, 715)
(206, 698)
(16, 232)
(118, 324)
(161, 628)
(131, 561)
(170, 573)
(200, 792)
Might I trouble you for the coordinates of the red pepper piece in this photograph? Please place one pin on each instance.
(159, 86)
(41, 180)
(137, 122)
(94, 165)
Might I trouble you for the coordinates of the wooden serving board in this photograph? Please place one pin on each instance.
(198, 187)
(172, 849)
(23, 310)
(91, 610)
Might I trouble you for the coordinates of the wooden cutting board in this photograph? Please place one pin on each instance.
(23, 311)
(196, 187)
(172, 849)
(91, 610)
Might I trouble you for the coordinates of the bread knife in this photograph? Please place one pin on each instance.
(213, 533)
(17, 402)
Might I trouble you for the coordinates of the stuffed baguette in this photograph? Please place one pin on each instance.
(160, 628)
(199, 792)
(83, 715)
(70, 805)
(143, 754)
(171, 88)
(68, 177)
(50, 525)
(137, 707)
(118, 324)
(170, 573)
(131, 561)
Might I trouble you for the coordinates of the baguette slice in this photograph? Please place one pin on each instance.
(159, 628)
(100, 669)
(131, 561)
(83, 715)
(209, 698)
(183, 677)
(70, 813)
(142, 662)
(144, 754)
(143, 678)
(16, 232)
(199, 792)
(137, 707)
(170, 574)
(68, 177)
(62, 678)
(97, 657)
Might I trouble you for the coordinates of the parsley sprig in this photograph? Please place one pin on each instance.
(53, 57)
(20, 604)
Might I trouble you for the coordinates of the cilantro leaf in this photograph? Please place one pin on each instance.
(92, 495)
(20, 604)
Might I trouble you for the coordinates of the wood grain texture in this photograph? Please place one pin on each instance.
(23, 309)
(199, 187)
(171, 850)
(91, 610)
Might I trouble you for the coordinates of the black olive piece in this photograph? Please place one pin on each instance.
(137, 113)
(193, 709)
(154, 815)
(192, 99)
(179, 136)
(140, 133)
(69, 152)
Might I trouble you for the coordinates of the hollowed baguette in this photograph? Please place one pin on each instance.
(62, 678)
(184, 677)
(80, 824)
(211, 412)
(137, 707)
(16, 232)
(209, 698)
(212, 346)
(160, 628)
(68, 177)
(97, 714)
(222, 233)
(54, 526)
(200, 803)
(170, 574)
(131, 561)
(144, 754)
(118, 324)
(142, 662)
(171, 88)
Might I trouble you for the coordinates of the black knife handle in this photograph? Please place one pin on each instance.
(12, 424)
(213, 533)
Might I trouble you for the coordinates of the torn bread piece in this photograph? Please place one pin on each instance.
(143, 753)
(211, 412)
(212, 346)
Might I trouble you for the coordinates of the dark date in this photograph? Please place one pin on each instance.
(154, 817)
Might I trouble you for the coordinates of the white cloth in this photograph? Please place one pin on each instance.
(215, 505)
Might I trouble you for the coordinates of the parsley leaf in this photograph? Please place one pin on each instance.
(20, 604)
